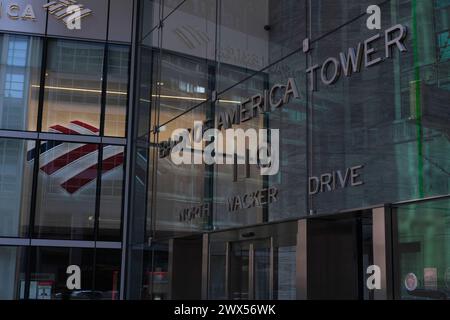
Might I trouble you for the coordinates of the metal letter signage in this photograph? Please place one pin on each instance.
(335, 180)
(15, 12)
(69, 12)
(270, 100)
(258, 198)
(351, 61)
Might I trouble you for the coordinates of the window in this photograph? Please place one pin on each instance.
(73, 87)
(111, 193)
(107, 273)
(17, 51)
(20, 69)
(99, 280)
(16, 175)
(12, 273)
(117, 90)
(66, 193)
(421, 251)
(48, 276)
(14, 85)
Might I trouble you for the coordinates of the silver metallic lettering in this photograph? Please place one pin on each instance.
(354, 58)
(369, 51)
(336, 73)
(398, 41)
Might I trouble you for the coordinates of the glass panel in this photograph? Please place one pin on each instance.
(155, 277)
(239, 271)
(66, 192)
(150, 17)
(144, 124)
(12, 273)
(255, 33)
(243, 43)
(287, 179)
(145, 290)
(16, 175)
(48, 278)
(291, 121)
(183, 84)
(140, 202)
(117, 90)
(284, 261)
(171, 5)
(285, 273)
(332, 14)
(180, 202)
(111, 193)
(422, 250)
(20, 72)
(73, 87)
(262, 270)
(107, 274)
(187, 40)
(191, 29)
(232, 182)
(49, 274)
(217, 271)
(387, 118)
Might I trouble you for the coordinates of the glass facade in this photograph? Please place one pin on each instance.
(20, 74)
(367, 127)
(74, 73)
(354, 119)
(63, 145)
(16, 185)
(421, 249)
(13, 267)
(100, 267)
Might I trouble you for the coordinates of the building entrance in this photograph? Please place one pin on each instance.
(249, 269)
(253, 263)
(327, 257)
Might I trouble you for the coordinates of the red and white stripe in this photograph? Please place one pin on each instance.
(74, 165)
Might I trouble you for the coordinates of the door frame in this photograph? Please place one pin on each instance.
(275, 233)
(251, 266)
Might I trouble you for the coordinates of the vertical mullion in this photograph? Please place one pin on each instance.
(100, 149)
(205, 266)
(42, 84)
(104, 89)
(209, 169)
(359, 256)
(100, 146)
(309, 116)
(251, 271)
(100, 159)
(271, 268)
(36, 167)
(265, 178)
(131, 149)
(155, 106)
(227, 270)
